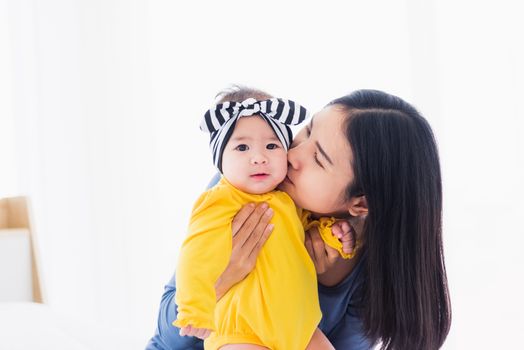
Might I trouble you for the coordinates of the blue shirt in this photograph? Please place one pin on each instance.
(340, 321)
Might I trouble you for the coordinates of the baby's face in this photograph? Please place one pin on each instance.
(254, 160)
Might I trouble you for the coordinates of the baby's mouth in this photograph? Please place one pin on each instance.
(259, 176)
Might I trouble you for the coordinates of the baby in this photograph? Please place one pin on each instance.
(276, 305)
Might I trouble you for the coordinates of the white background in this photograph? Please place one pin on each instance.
(100, 103)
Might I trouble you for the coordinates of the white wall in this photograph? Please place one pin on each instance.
(8, 164)
(100, 126)
(481, 84)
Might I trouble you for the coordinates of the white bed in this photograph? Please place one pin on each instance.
(34, 326)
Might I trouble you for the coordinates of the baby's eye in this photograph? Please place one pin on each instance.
(242, 148)
(272, 146)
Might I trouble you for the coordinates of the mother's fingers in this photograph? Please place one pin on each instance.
(249, 239)
(249, 224)
(318, 243)
(309, 246)
(316, 249)
(332, 254)
(241, 217)
(255, 250)
(258, 231)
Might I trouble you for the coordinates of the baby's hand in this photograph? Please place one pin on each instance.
(345, 234)
(201, 333)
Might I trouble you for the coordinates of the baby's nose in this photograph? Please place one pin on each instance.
(259, 159)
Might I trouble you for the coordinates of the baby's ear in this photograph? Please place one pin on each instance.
(358, 206)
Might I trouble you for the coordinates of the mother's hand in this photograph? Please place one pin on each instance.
(251, 229)
(330, 266)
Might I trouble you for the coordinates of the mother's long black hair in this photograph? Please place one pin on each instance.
(396, 165)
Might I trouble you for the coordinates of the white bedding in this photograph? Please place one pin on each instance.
(32, 326)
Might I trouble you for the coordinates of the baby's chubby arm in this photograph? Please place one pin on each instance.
(330, 265)
(250, 230)
(203, 257)
(336, 233)
(345, 234)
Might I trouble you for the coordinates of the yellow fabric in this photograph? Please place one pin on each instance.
(324, 225)
(276, 305)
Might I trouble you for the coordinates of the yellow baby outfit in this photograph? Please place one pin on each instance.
(276, 305)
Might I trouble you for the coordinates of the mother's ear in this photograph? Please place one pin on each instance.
(358, 206)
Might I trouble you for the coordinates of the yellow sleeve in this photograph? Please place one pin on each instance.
(324, 225)
(203, 257)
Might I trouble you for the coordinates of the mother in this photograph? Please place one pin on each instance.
(369, 157)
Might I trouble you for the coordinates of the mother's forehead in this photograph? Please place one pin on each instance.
(334, 110)
(328, 125)
(329, 120)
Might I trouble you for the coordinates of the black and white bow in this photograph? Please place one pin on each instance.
(220, 121)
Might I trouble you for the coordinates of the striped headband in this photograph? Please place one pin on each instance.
(220, 121)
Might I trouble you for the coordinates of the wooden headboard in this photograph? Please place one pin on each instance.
(17, 231)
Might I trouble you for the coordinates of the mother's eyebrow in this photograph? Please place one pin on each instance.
(321, 150)
(323, 153)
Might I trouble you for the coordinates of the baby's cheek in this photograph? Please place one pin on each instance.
(282, 165)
